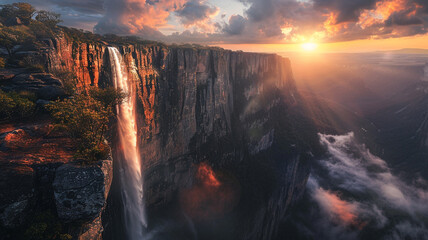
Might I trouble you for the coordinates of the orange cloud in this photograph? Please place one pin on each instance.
(384, 9)
(340, 211)
(332, 26)
(137, 16)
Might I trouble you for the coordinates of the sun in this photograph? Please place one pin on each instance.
(309, 47)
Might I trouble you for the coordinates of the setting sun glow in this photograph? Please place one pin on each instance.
(309, 46)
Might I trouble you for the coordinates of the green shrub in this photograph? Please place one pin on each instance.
(16, 106)
(50, 19)
(86, 120)
(24, 11)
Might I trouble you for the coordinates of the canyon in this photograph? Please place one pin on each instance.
(224, 139)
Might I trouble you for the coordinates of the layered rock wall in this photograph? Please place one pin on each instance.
(239, 113)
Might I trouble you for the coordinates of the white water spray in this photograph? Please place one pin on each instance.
(129, 163)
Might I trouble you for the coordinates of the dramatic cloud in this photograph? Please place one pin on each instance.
(335, 20)
(137, 17)
(196, 12)
(261, 21)
(355, 195)
(236, 25)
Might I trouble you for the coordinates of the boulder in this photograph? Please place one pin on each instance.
(81, 191)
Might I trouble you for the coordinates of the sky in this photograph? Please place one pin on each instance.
(255, 25)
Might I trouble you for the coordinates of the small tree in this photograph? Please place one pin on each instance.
(50, 19)
(23, 11)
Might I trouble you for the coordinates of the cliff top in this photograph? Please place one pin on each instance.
(34, 143)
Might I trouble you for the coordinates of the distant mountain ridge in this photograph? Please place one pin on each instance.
(407, 51)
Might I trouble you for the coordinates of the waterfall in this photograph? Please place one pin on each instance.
(128, 156)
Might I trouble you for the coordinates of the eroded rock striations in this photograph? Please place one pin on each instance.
(240, 113)
(224, 139)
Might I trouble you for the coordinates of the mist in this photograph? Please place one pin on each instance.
(352, 194)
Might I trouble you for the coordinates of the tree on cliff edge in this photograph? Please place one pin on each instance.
(23, 11)
(50, 19)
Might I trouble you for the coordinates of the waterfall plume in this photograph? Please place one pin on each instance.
(129, 161)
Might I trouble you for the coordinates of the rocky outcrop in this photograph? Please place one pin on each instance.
(81, 192)
(43, 85)
(38, 178)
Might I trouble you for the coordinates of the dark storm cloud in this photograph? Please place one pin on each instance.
(260, 10)
(346, 10)
(195, 11)
(236, 25)
(403, 20)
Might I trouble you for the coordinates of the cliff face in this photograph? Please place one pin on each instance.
(223, 135)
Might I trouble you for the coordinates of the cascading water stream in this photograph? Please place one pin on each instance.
(129, 159)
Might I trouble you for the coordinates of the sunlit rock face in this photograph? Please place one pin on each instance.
(237, 113)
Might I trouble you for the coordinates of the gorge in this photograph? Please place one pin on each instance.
(223, 139)
(319, 132)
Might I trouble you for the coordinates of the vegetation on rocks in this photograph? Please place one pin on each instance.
(16, 105)
(86, 117)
